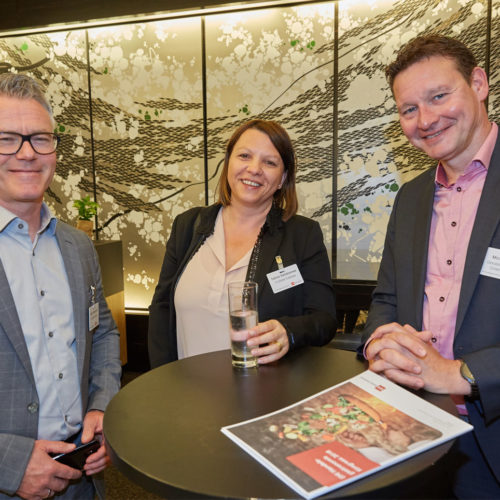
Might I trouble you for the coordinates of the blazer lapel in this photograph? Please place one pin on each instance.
(421, 245)
(485, 225)
(9, 320)
(70, 255)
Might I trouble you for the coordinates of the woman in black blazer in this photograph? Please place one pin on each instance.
(254, 217)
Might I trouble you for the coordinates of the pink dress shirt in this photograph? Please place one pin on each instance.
(453, 215)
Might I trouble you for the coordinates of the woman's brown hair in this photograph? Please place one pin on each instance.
(285, 197)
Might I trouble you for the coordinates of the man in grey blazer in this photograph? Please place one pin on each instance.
(434, 322)
(59, 346)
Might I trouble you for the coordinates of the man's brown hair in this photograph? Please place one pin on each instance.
(426, 46)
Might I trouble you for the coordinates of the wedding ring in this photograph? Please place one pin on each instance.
(279, 345)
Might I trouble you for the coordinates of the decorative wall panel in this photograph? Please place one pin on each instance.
(59, 60)
(148, 136)
(277, 64)
(137, 137)
(374, 156)
(494, 100)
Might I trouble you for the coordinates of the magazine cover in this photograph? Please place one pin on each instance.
(344, 433)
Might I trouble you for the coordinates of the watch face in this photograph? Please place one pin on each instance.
(466, 373)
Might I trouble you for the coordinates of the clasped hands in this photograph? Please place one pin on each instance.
(269, 341)
(407, 357)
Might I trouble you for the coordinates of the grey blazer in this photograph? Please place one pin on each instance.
(400, 292)
(98, 357)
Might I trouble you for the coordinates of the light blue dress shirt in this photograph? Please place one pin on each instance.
(39, 285)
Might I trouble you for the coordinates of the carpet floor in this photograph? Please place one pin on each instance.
(118, 487)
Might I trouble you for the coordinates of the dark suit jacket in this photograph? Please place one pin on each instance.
(307, 311)
(400, 291)
(97, 352)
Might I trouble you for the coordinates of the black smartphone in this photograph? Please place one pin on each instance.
(77, 457)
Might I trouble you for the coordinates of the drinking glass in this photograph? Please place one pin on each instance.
(242, 316)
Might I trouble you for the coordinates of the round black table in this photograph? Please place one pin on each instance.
(163, 429)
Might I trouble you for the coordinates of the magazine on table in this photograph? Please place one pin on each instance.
(344, 433)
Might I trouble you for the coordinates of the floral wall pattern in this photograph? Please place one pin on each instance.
(374, 157)
(277, 65)
(145, 110)
(148, 133)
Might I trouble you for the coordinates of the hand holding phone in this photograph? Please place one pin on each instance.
(77, 457)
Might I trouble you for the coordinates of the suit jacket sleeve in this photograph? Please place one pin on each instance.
(483, 363)
(383, 307)
(159, 343)
(15, 452)
(162, 339)
(105, 364)
(308, 311)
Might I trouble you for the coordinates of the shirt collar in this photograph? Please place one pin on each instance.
(47, 220)
(481, 159)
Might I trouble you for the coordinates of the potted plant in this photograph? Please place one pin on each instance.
(86, 210)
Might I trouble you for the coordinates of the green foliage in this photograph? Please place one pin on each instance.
(147, 114)
(348, 207)
(86, 208)
(296, 43)
(392, 187)
(245, 109)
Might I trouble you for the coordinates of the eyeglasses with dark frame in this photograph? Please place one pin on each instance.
(43, 143)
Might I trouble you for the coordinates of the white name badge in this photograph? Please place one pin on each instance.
(285, 278)
(94, 316)
(491, 264)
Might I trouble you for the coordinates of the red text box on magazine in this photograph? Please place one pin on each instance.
(332, 463)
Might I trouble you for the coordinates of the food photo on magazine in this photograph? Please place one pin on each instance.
(344, 433)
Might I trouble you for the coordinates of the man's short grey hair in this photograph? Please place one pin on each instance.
(22, 86)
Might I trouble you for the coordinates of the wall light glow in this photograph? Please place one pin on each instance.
(248, 8)
(366, 3)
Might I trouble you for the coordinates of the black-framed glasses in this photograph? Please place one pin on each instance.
(43, 143)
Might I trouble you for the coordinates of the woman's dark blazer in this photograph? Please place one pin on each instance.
(306, 311)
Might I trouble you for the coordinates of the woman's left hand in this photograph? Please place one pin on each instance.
(273, 334)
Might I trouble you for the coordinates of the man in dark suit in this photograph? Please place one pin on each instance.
(434, 322)
(59, 346)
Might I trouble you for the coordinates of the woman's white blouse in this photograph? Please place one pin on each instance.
(201, 300)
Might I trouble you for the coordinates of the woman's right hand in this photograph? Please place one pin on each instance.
(272, 333)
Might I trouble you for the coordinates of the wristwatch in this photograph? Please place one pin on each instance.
(467, 375)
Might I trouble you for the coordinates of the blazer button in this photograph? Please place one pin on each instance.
(33, 407)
